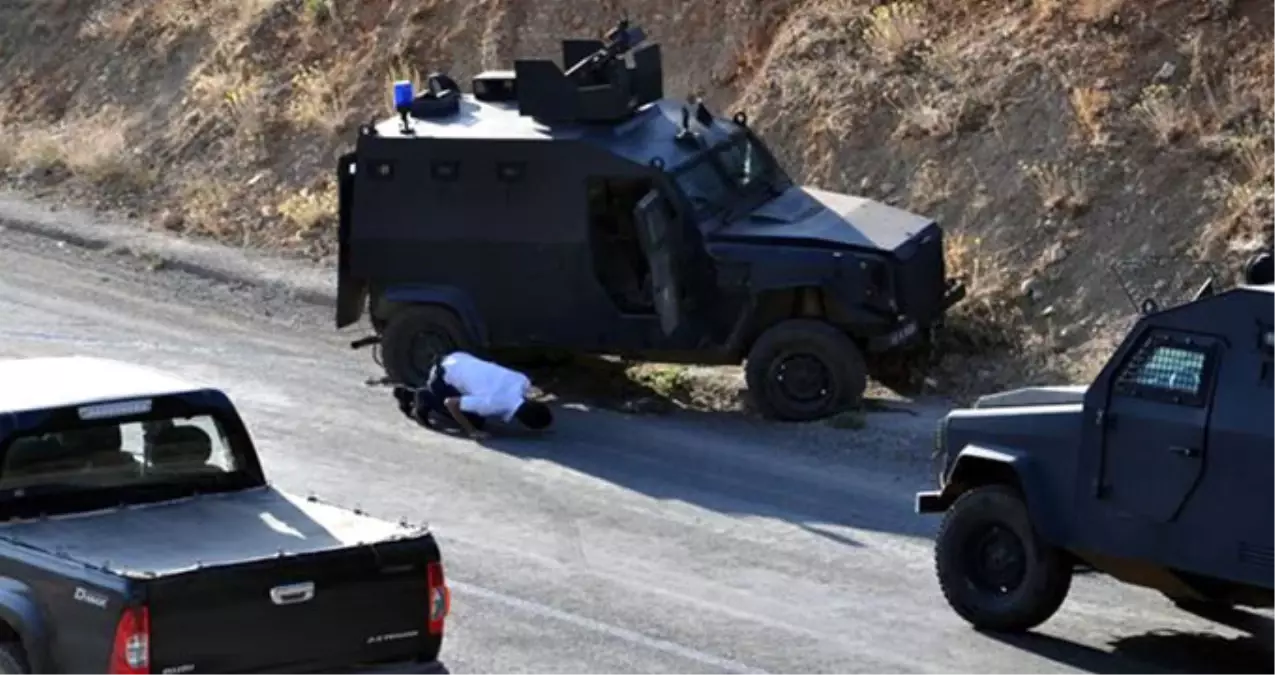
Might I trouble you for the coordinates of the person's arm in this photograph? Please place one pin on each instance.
(452, 403)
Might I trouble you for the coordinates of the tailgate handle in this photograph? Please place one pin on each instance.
(292, 593)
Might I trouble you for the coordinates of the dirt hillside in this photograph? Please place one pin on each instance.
(1050, 138)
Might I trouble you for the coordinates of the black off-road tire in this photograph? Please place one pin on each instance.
(839, 357)
(1046, 579)
(13, 658)
(403, 362)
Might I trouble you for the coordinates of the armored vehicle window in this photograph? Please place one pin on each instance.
(1167, 369)
(730, 168)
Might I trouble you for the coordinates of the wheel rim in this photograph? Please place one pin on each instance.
(802, 379)
(426, 345)
(996, 560)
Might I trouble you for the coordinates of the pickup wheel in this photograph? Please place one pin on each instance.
(802, 369)
(414, 335)
(993, 568)
(13, 658)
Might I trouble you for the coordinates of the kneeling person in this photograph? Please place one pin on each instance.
(467, 390)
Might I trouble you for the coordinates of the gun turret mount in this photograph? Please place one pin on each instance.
(597, 87)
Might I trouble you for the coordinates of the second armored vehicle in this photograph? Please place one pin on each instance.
(1158, 473)
(582, 211)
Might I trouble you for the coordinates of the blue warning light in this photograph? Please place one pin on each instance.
(403, 95)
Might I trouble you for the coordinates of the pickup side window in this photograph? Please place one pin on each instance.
(1168, 368)
(119, 454)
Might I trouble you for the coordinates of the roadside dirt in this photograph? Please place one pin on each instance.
(1051, 139)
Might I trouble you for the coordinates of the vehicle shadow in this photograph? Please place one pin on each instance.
(737, 473)
(1166, 651)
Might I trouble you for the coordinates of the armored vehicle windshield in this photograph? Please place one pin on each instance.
(734, 173)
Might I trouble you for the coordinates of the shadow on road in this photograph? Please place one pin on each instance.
(738, 472)
(1156, 651)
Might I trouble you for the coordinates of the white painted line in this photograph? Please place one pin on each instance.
(625, 634)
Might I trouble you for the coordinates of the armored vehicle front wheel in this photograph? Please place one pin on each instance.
(993, 568)
(802, 369)
(414, 336)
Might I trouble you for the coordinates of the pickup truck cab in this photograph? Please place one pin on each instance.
(138, 534)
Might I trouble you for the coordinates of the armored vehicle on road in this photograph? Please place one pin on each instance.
(1159, 473)
(581, 211)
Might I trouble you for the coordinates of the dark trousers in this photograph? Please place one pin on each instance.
(429, 399)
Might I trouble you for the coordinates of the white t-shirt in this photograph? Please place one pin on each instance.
(486, 388)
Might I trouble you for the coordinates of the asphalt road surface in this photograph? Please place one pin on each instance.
(616, 544)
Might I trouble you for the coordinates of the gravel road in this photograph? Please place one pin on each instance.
(684, 543)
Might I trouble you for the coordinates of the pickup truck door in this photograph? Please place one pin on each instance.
(660, 235)
(1155, 427)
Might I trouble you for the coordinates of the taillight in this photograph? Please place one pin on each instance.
(440, 598)
(132, 651)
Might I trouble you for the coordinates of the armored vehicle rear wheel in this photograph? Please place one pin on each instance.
(993, 568)
(414, 335)
(803, 369)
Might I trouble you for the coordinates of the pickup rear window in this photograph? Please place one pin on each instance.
(118, 454)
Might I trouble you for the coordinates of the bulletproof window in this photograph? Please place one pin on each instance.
(1169, 368)
(510, 172)
(446, 171)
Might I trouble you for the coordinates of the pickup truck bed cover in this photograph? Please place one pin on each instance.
(207, 530)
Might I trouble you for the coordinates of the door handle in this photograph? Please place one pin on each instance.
(1184, 451)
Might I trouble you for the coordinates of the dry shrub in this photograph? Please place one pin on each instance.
(239, 96)
(984, 321)
(1090, 106)
(108, 160)
(930, 185)
(1096, 11)
(1060, 190)
(1043, 10)
(205, 203)
(318, 100)
(894, 30)
(1244, 223)
(1165, 112)
(307, 210)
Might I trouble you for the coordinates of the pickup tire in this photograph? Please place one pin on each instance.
(993, 569)
(414, 335)
(13, 658)
(803, 369)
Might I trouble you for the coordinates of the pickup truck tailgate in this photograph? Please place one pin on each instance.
(259, 580)
(367, 603)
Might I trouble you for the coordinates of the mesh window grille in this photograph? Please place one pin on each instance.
(1169, 368)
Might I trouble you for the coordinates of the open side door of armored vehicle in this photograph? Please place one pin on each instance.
(662, 242)
(351, 293)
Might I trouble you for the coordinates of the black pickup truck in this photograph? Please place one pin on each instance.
(138, 534)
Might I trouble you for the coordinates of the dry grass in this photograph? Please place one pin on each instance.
(307, 210)
(1090, 106)
(1060, 189)
(1096, 11)
(1165, 112)
(94, 150)
(319, 100)
(894, 30)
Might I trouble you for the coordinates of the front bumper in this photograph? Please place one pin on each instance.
(405, 667)
(930, 501)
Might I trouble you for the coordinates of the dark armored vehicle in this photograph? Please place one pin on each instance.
(138, 534)
(1159, 473)
(582, 211)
